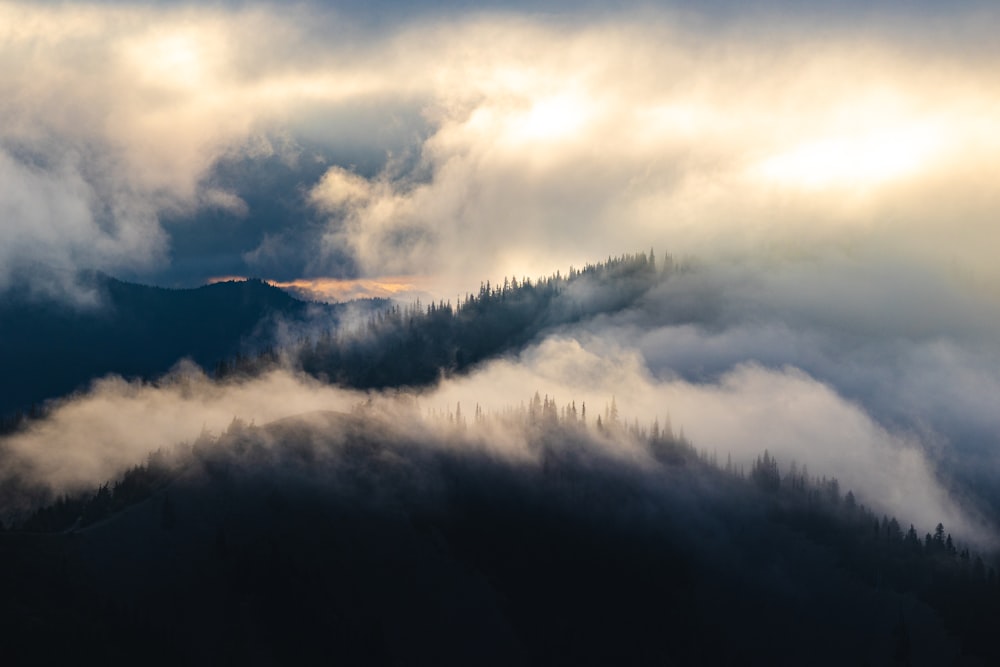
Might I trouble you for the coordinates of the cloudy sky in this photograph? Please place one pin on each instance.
(832, 165)
(173, 143)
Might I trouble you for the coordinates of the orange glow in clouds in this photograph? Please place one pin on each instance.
(338, 289)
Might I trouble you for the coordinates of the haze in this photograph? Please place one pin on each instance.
(817, 182)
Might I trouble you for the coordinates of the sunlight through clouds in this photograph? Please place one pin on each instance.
(862, 162)
(526, 144)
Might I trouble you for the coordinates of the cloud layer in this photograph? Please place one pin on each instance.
(93, 437)
(473, 145)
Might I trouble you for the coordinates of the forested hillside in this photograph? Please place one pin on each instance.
(415, 344)
(542, 532)
(376, 538)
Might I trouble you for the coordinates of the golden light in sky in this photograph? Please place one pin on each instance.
(343, 289)
(174, 58)
(858, 161)
(338, 289)
(521, 138)
(551, 118)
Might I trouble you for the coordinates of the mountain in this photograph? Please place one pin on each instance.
(378, 528)
(414, 346)
(365, 538)
(49, 349)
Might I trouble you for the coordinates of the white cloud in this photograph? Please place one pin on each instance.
(55, 219)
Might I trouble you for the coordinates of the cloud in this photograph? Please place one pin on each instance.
(511, 141)
(115, 116)
(913, 347)
(714, 145)
(57, 219)
(908, 350)
(741, 412)
(92, 437)
(89, 438)
(406, 288)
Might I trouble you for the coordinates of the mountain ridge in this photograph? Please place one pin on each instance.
(49, 349)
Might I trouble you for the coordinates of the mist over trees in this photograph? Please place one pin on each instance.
(231, 329)
(545, 532)
(414, 345)
(364, 536)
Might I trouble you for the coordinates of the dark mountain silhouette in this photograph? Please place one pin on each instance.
(48, 349)
(350, 538)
